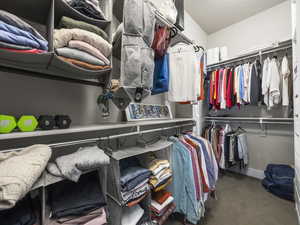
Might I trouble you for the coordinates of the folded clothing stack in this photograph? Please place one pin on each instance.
(134, 182)
(22, 214)
(73, 165)
(90, 8)
(18, 36)
(82, 44)
(162, 206)
(77, 203)
(160, 169)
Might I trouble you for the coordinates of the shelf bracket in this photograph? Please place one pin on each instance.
(263, 128)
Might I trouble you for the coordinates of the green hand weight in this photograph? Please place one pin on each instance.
(27, 123)
(7, 124)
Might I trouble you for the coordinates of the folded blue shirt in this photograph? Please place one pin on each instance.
(14, 35)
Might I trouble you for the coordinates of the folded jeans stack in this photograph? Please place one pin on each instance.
(162, 206)
(77, 203)
(134, 185)
(18, 36)
(82, 44)
(90, 8)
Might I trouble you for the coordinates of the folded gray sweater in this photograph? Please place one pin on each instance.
(73, 165)
(19, 171)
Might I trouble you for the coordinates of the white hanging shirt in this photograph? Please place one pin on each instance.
(285, 72)
(275, 79)
(184, 74)
(265, 85)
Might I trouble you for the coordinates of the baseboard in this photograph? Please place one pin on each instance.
(250, 172)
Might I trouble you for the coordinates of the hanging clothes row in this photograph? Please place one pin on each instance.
(250, 84)
(195, 173)
(229, 146)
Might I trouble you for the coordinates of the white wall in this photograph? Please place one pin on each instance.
(257, 31)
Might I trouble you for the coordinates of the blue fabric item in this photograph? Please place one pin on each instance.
(161, 75)
(183, 186)
(241, 71)
(133, 176)
(14, 35)
(208, 161)
(279, 180)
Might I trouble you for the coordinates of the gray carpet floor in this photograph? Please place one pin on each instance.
(243, 201)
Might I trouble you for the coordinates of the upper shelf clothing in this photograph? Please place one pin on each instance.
(90, 8)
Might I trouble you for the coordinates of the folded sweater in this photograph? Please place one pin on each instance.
(19, 171)
(79, 55)
(15, 21)
(63, 36)
(69, 23)
(83, 64)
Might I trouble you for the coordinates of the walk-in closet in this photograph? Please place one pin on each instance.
(149, 112)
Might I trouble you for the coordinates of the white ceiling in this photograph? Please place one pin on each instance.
(213, 15)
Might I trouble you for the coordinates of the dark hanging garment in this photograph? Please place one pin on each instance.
(255, 86)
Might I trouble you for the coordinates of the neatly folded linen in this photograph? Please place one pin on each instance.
(83, 64)
(14, 35)
(19, 23)
(88, 8)
(12, 46)
(133, 176)
(79, 55)
(76, 199)
(83, 46)
(63, 36)
(69, 23)
(132, 215)
(33, 51)
(15, 183)
(21, 214)
(73, 165)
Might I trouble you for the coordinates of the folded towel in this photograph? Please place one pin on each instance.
(14, 35)
(19, 23)
(73, 165)
(19, 171)
(79, 55)
(83, 46)
(83, 64)
(69, 23)
(63, 36)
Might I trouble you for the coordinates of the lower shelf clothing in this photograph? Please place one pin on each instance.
(132, 215)
(80, 201)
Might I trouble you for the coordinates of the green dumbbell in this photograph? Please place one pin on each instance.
(7, 124)
(27, 123)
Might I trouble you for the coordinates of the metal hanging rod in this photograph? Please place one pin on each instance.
(95, 140)
(250, 120)
(260, 52)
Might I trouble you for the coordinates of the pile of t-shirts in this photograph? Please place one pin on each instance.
(162, 206)
(90, 8)
(82, 44)
(18, 36)
(161, 172)
(134, 181)
(77, 203)
(22, 214)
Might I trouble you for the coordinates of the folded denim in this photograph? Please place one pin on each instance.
(88, 8)
(83, 64)
(133, 176)
(83, 46)
(19, 23)
(73, 53)
(99, 215)
(76, 199)
(70, 23)
(21, 214)
(14, 35)
(138, 191)
(13, 46)
(63, 36)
